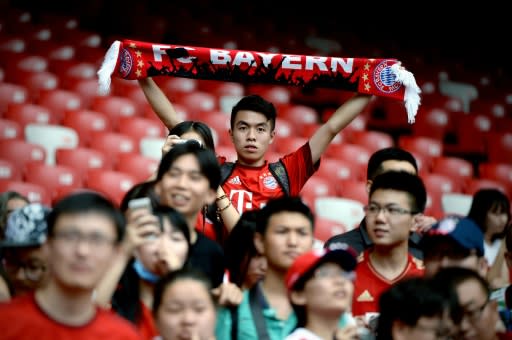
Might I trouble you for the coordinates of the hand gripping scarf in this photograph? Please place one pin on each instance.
(132, 60)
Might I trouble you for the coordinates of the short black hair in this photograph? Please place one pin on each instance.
(388, 154)
(255, 103)
(280, 204)
(199, 127)
(406, 182)
(85, 202)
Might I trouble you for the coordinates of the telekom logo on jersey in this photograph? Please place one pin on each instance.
(242, 200)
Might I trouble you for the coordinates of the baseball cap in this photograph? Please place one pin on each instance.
(462, 230)
(26, 227)
(338, 252)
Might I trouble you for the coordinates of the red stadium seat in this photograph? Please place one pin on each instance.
(219, 124)
(112, 144)
(500, 172)
(53, 177)
(357, 154)
(348, 212)
(299, 115)
(354, 190)
(34, 192)
(499, 147)
(459, 169)
(428, 148)
(198, 103)
(372, 140)
(12, 93)
(83, 159)
(59, 101)
(137, 165)
(87, 89)
(470, 130)
(476, 184)
(85, 122)
(77, 72)
(431, 122)
(285, 145)
(139, 128)
(326, 228)
(337, 170)
(221, 88)
(10, 129)
(21, 152)
(316, 187)
(175, 87)
(113, 184)
(8, 170)
(438, 184)
(25, 113)
(36, 82)
(114, 108)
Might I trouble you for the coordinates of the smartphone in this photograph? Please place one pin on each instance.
(138, 203)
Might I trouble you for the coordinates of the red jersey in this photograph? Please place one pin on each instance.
(369, 284)
(146, 324)
(251, 187)
(21, 318)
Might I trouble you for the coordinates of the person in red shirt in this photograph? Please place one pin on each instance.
(252, 181)
(84, 232)
(396, 197)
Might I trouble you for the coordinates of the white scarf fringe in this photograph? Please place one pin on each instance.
(107, 68)
(412, 91)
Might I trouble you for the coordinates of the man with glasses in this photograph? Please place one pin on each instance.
(84, 232)
(480, 314)
(23, 257)
(396, 197)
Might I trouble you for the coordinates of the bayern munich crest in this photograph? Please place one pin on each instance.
(270, 182)
(384, 78)
(125, 62)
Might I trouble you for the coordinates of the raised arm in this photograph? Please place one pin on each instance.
(159, 102)
(340, 118)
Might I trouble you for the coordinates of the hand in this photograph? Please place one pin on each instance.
(228, 294)
(139, 224)
(423, 223)
(170, 141)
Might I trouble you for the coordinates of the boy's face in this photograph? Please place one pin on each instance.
(388, 228)
(288, 235)
(81, 249)
(251, 135)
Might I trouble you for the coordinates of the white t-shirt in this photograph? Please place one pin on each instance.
(302, 334)
(491, 251)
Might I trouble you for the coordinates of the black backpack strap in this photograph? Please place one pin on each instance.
(257, 312)
(281, 175)
(233, 310)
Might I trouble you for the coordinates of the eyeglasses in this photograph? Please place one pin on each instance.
(331, 273)
(73, 238)
(32, 270)
(374, 210)
(475, 313)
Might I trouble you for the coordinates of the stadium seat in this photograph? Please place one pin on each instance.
(221, 88)
(36, 82)
(175, 87)
(354, 190)
(432, 122)
(219, 124)
(372, 140)
(152, 147)
(227, 151)
(388, 115)
(337, 170)
(499, 147)
(85, 122)
(348, 212)
(357, 154)
(25, 113)
(139, 127)
(82, 159)
(112, 144)
(137, 165)
(77, 72)
(198, 103)
(439, 184)
(470, 131)
(20, 152)
(325, 228)
(285, 145)
(500, 172)
(428, 148)
(316, 187)
(459, 169)
(10, 129)
(476, 184)
(113, 184)
(456, 203)
(59, 101)
(34, 192)
(114, 108)
(51, 137)
(284, 128)
(12, 93)
(87, 89)
(53, 177)
(8, 170)
(299, 115)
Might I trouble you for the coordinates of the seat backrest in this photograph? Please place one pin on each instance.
(20, 152)
(34, 192)
(51, 137)
(456, 203)
(82, 159)
(113, 184)
(346, 211)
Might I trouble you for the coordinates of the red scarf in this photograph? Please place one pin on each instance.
(131, 59)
